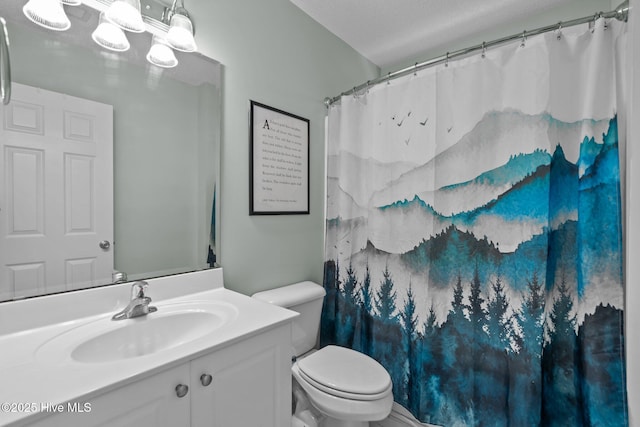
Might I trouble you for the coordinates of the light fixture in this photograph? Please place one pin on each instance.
(126, 15)
(160, 53)
(47, 13)
(180, 35)
(110, 36)
(174, 29)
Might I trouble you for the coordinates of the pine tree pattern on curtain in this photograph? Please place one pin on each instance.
(474, 237)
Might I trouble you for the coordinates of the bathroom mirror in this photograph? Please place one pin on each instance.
(163, 163)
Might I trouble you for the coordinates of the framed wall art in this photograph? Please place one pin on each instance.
(279, 162)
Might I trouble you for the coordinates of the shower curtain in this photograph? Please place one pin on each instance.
(474, 235)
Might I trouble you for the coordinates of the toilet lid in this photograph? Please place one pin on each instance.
(345, 370)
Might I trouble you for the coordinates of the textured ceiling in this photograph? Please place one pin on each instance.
(389, 31)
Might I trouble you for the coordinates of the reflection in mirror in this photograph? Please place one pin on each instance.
(108, 164)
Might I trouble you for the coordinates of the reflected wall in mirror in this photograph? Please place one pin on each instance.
(61, 226)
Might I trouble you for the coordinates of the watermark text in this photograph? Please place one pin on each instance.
(31, 407)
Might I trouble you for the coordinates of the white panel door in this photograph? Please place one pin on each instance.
(56, 193)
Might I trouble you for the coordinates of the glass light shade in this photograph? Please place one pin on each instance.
(126, 15)
(160, 54)
(180, 35)
(110, 36)
(47, 13)
(72, 2)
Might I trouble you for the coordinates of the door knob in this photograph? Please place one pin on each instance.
(104, 245)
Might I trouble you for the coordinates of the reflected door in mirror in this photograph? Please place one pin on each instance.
(56, 193)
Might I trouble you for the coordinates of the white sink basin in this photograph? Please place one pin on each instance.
(106, 340)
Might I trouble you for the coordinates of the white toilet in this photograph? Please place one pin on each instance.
(347, 387)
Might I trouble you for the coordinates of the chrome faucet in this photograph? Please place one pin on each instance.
(139, 304)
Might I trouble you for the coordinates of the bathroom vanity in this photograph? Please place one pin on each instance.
(208, 357)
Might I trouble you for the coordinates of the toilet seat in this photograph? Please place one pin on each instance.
(344, 411)
(345, 373)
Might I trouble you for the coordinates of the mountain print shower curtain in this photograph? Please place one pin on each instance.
(474, 237)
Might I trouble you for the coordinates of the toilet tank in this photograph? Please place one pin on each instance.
(306, 299)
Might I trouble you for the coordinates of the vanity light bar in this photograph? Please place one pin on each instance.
(177, 35)
(151, 25)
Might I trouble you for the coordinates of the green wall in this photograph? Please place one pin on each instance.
(273, 53)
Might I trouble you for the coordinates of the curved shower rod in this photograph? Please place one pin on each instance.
(620, 13)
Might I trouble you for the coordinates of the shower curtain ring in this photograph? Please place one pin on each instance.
(524, 38)
(484, 49)
(559, 30)
(388, 78)
(593, 23)
(415, 69)
(446, 60)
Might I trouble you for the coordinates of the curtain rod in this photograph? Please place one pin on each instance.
(621, 13)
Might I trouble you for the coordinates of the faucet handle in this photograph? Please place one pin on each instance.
(138, 289)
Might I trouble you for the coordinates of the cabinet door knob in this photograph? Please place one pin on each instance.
(182, 390)
(206, 379)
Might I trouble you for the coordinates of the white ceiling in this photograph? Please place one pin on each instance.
(390, 31)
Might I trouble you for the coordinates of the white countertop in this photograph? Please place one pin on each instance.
(27, 379)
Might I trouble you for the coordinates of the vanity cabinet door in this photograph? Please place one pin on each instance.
(151, 402)
(245, 384)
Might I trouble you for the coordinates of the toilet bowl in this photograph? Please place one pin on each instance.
(349, 388)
